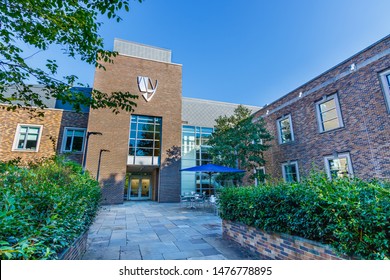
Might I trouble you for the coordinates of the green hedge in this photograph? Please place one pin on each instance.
(44, 207)
(351, 215)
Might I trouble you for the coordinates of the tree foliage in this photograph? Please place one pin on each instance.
(239, 142)
(40, 24)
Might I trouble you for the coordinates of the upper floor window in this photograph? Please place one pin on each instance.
(385, 80)
(73, 140)
(145, 140)
(27, 138)
(328, 113)
(338, 166)
(285, 130)
(290, 171)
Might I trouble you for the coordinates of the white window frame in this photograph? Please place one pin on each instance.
(17, 135)
(290, 163)
(386, 87)
(338, 111)
(257, 170)
(278, 121)
(332, 157)
(64, 140)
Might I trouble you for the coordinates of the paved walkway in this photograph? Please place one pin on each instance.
(158, 231)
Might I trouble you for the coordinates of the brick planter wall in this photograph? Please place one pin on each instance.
(76, 250)
(276, 246)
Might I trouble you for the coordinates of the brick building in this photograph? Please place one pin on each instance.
(338, 121)
(135, 156)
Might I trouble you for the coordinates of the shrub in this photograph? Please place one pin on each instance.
(44, 207)
(351, 215)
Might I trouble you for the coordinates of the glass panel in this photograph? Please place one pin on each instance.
(79, 133)
(134, 187)
(332, 124)
(285, 130)
(32, 137)
(338, 167)
(133, 134)
(145, 127)
(68, 143)
(326, 106)
(145, 144)
(388, 80)
(291, 172)
(77, 144)
(329, 115)
(69, 132)
(33, 130)
(144, 152)
(21, 143)
(145, 189)
(31, 145)
(145, 135)
(131, 151)
(23, 129)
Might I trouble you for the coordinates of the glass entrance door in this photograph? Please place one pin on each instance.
(140, 188)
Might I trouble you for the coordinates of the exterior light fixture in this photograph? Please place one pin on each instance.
(89, 133)
(100, 159)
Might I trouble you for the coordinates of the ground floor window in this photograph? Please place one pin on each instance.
(27, 137)
(73, 140)
(338, 166)
(290, 171)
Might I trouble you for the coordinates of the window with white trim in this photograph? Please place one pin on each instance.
(73, 140)
(27, 137)
(260, 174)
(385, 80)
(290, 171)
(285, 130)
(329, 113)
(338, 166)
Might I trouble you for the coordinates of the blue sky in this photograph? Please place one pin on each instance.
(247, 52)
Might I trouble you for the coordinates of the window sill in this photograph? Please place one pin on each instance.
(334, 129)
(24, 151)
(287, 143)
(72, 153)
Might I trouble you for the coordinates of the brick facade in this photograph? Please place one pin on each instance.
(268, 245)
(53, 124)
(76, 250)
(366, 131)
(166, 103)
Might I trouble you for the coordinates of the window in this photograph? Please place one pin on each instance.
(145, 140)
(27, 138)
(260, 175)
(73, 140)
(328, 113)
(385, 79)
(290, 171)
(285, 130)
(338, 166)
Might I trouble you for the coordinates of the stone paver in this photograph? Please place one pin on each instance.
(159, 231)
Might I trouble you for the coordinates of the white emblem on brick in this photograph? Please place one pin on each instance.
(146, 86)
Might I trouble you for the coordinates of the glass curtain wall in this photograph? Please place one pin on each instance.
(195, 153)
(145, 138)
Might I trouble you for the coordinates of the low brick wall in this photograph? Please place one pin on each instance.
(276, 246)
(76, 250)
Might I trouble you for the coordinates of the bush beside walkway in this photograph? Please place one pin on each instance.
(44, 208)
(351, 215)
